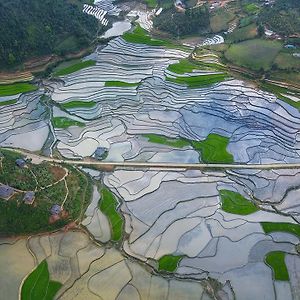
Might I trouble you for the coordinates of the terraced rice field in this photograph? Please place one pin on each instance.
(210, 232)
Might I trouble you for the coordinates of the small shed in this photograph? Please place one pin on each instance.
(55, 209)
(21, 163)
(6, 191)
(29, 197)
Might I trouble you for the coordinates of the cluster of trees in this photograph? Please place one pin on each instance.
(193, 20)
(283, 17)
(32, 28)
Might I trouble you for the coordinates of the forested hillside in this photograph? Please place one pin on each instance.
(192, 21)
(30, 28)
(283, 17)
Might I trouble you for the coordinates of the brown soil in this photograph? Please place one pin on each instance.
(57, 172)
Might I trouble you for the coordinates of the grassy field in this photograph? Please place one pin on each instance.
(269, 227)
(286, 61)
(108, 205)
(17, 88)
(276, 261)
(213, 149)
(199, 81)
(184, 66)
(75, 67)
(121, 83)
(235, 203)
(219, 21)
(159, 139)
(38, 285)
(78, 104)
(254, 54)
(241, 34)
(141, 36)
(63, 122)
(169, 263)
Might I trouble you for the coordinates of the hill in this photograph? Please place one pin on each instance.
(31, 28)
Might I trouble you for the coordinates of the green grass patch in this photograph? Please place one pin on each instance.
(241, 34)
(169, 263)
(199, 80)
(276, 261)
(252, 8)
(141, 36)
(78, 104)
(63, 122)
(151, 3)
(213, 149)
(121, 83)
(286, 61)
(8, 102)
(159, 139)
(75, 67)
(269, 227)
(108, 205)
(17, 88)
(38, 284)
(256, 54)
(184, 66)
(235, 203)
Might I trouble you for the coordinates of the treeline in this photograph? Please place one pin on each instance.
(193, 20)
(283, 17)
(32, 28)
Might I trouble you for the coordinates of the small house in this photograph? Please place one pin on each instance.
(55, 209)
(289, 46)
(6, 191)
(29, 197)
(100, 152)
(21, 163)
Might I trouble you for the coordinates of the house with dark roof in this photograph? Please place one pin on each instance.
(21, 163)
(6, 191)
(55, 209)
(100, 152)
(29, 197)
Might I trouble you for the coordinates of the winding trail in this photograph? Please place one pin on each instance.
(109, 166)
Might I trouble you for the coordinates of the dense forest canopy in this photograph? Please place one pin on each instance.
(30, 28)
(283, 17)
(193, 20)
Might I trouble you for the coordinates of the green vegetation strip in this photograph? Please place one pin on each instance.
(213, 149)
(63, 122)
(8, 102)
(159, 139)
(199, 81)
(278, 91)
(276, 261)
(75, 67)
(269, 227)
(256, 54)
(121, 84)
(78, 104)
(184, 66)
(38, 284)
(235, 203)
(17, 88)
(141, 36)
(169, 263)
(108, 205)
